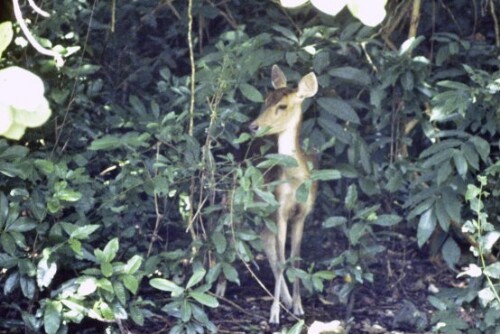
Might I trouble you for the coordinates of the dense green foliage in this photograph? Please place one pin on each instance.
(118, 195)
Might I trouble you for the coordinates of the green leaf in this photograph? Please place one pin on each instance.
(356, 232)
(196, 278)
(8, 243)
(302, 192)
(83, 232)
(426, 226)
(4, 209)
(351, 198)
(45, 272)
(87, 285)
(325, 175)
(131, 283)
(27, 286)
(460, 163)
(105, 143)
(137, 105)
(204, 299)
(105, 284)
(493, 270)
(166, 285)
(22, 224)
(251, 93)
(230, 273)
(186, 311)
(339, 109)
(133, 264)
(111, 249)
(297, 328)
(120, 293)
(334, 221)
(137, 315)
(451, 252)
(219, 242)
(387, 220)
(52, 317)
(107, 269)
(351, 74)
(275, 159)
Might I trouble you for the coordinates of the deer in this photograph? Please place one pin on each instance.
(282, 117)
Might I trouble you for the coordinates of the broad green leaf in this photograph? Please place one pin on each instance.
(106, 269)
(22, 224)
(133, 264)
(357, 231)
(137, 104)
(196, 278)
(105, 284)
(297, 328)
(452, 204)
(87, 286)
(204, 299)
(325, 175)
(441, 215)
(426, 226)
(8, 243)
(120, 293)
(443, 173)
(166, 285)
(137, 315)
(11, 283)
(351, 74)
(131, 283)
(351, 198)
(334, 221)
(251, 93)
(493, 270)
(460, 163)
(52, 317)
(451, 252)
(325, 274)
(486, 296)
(302, 192)
(439, 147)
(267, 196)
(83, 232)
(111, 249)
(107, 142)
(186, 310)
(339, 108)
(387, 220)
(278, 159)
(219, 242)
(27, 286)
(45, 272)
(230, 273)
(482, 147)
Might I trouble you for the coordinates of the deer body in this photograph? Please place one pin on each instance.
(282, 116)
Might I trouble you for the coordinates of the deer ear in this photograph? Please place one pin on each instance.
(308, 86)
(278, 77)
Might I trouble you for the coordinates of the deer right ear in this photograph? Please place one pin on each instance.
(308, 86)
(278, 77)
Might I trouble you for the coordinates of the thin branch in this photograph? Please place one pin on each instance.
(495, 20)
(191, 216)
(415, 18)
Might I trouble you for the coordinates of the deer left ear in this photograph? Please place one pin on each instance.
(308, 86)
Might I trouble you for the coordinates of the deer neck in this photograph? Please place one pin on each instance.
(289, 144)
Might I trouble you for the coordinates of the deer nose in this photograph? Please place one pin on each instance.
(253, 127)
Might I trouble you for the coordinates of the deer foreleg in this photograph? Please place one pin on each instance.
(269, 240)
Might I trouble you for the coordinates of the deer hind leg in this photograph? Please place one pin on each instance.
(296, 240)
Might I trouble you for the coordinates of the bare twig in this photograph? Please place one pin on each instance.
(495, 21)
(415, 18)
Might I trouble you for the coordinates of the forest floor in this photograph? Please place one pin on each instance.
(396, 301)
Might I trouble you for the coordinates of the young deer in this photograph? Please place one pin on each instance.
(282, 116)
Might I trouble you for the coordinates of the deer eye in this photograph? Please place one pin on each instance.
(280, 108)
